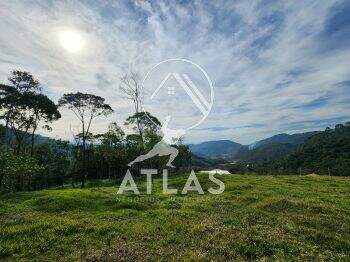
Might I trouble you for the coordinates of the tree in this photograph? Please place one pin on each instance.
(89, 137)
(24, 109)
(111, 150)
(44, 110)
(55, 157)
(143, 121)
(323, 153)
(16, 172)
(17, 113)
(86, 107)
(2, 137)
(339, 126)
(24, 81)
(183, 159)
(131, 88)
(113, 137)
(7, 103)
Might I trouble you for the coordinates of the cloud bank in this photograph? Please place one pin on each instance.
(276, 66)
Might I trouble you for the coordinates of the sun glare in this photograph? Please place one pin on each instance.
(71, 41)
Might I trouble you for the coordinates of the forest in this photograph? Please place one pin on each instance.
(324, 153)
(28, 163)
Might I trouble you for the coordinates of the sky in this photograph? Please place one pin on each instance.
(276, 66)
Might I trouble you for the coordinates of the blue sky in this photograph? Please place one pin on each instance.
(276, 66)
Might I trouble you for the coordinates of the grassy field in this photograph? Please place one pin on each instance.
(256, 218)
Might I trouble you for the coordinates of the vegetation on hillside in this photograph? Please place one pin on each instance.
(323, 153)
(265, 153)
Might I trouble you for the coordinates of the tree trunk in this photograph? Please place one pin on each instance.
(109, 171)
(84, 164)
(84, 154)
(18, 147)
(137, 109)
(32, 142)
(6, 134)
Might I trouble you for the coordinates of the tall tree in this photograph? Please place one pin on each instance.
(7, 102)
(24, 107)
(20, 82)
(45, 111)
(130, 85)
(17, 113)
(86, 107)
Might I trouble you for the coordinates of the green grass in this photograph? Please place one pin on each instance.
(256, 218)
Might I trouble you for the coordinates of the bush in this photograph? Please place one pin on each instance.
(17, 173)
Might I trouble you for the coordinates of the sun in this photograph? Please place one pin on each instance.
(71, 40)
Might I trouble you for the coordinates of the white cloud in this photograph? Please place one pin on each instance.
(264, 59)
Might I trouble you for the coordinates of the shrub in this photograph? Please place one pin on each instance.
(18, 172)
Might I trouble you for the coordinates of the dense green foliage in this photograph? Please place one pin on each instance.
(256, 218)
(24, 108)
(265, 153)
(272, 149)
(325, 153)
(19, 172)
(107, 157)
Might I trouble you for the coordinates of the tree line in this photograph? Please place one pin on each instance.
(27, 164)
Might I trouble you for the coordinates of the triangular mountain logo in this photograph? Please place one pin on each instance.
(189, 87)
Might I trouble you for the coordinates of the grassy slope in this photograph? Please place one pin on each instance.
(256, 217)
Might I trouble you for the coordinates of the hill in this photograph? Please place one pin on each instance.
(326, 153)
(216, 149)
(265, 153)
(294, 139)
(262, 151)
(38, 139)
(257, 218)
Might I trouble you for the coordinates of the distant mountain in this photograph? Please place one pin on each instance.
(325, 153)
(295, 139)
(265, 153)
(262, 151)
(216, 149)
(38, 139)
(272, 148)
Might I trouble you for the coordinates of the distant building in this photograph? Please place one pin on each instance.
(312, 174)
(216, 171)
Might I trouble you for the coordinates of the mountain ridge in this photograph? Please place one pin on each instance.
(297, 138)
(216, 148)
(228, 149)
